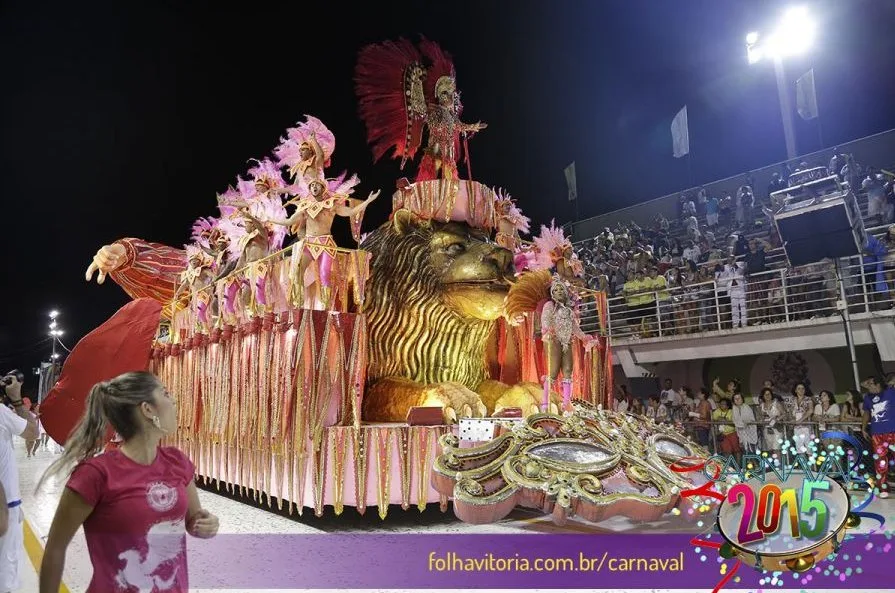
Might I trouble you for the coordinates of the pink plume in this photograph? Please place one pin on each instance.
(288, 152)
(341, 186)
(268, 173)
(549, 246)
(246, 189)
(202, 228)
(233, 228)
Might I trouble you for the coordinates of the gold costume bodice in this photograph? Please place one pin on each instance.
(312, 207)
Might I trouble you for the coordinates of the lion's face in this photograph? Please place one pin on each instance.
(474, 273)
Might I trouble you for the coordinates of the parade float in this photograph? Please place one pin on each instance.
(307, 373)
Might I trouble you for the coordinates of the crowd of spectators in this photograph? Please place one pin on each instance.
(729, 422)
(712, 267)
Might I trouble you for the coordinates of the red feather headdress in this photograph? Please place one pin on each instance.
(395, 83)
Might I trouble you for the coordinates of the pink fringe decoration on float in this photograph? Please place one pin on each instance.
(273, 407)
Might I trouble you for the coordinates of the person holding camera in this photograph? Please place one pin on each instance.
(17, 421)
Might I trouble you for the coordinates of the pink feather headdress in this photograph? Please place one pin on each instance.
(271, 208)
(288, 153)
(263, 208)
(504, 200)
(340, 186)
(232, 226)
(550, 246)
(268, 173)
(202, 231)
(194, 251)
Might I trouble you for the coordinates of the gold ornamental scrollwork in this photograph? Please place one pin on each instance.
(592, 464)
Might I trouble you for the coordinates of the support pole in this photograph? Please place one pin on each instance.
(846, 320)
(785, 110)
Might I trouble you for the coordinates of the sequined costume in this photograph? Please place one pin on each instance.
(403, 90)
(559, 326)
(561, 321)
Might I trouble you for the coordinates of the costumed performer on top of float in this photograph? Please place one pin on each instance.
(306, 151)
(553, 299)
(205, 258)
(244, 212)
(399, 97)
(510, 222)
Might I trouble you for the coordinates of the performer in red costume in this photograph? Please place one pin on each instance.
(403, 89)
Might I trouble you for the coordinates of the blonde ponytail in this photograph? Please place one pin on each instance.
(114, 400)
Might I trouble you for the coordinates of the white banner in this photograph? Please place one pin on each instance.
(806, 96)
(680, 134)
(572, 182)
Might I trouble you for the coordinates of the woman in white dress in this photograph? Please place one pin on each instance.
(827, 410)
(744, 421)
(771, 412)
(802, 412)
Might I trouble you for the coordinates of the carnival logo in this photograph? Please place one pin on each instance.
(783, 518)
(161, 497)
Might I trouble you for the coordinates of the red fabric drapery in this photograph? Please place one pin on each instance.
(121, 344)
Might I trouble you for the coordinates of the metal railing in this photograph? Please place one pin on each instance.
(783, 295)
(784, 432)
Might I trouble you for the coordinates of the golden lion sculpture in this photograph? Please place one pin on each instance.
(434, 294)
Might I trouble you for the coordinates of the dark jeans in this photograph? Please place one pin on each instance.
(702, 436)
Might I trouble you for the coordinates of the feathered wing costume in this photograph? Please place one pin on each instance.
(403, 89)
(260, 198)
(312, 135)
(552, 248)
(510, 223)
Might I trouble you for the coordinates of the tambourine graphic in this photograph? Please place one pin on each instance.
(785, 525)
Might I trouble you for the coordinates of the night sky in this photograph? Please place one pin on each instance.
(125, 119)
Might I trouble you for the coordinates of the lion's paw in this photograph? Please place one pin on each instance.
(527, 397)
(456, 400)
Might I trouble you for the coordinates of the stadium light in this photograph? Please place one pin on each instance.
(794, 35)
(54, 314)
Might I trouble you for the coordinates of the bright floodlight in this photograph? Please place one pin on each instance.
(54, 314)
(754, 54)
(53, 325)
(794, 35)
(55, 355)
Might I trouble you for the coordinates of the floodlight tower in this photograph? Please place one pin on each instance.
(794, 35)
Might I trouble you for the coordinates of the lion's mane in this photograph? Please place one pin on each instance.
(412, 332)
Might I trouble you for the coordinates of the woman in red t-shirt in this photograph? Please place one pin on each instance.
(136, 503)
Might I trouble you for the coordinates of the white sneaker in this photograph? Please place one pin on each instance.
(884, 494)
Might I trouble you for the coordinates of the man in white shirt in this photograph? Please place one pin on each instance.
(669, 396)
(736, 288)
(691, 252)
(18, 422)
